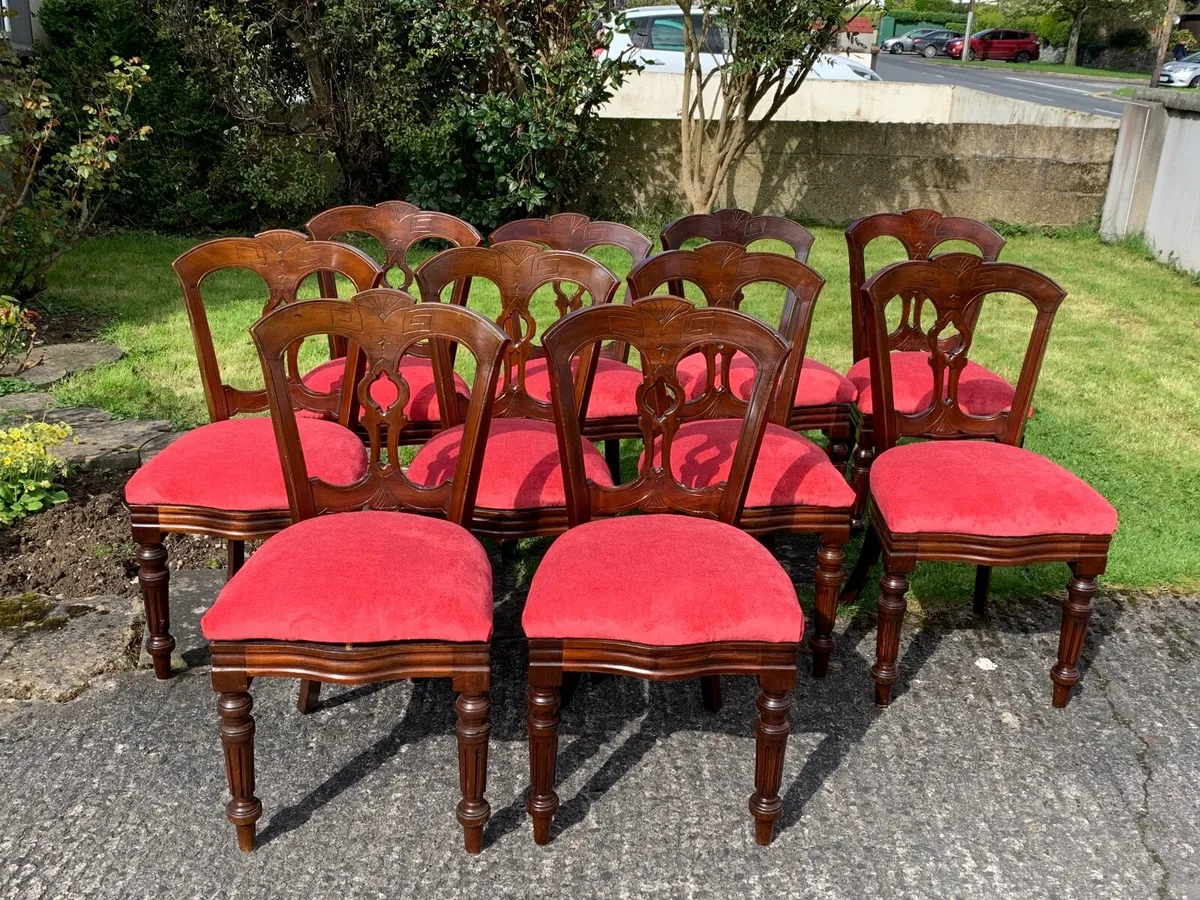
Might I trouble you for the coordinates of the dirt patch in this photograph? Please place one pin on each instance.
(62, 328)
(84, 548)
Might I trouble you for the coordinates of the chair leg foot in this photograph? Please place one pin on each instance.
(237, 739)
(828, 580)
(154, 579)
(771, 733)
(612, 456)
(1076, 613)
(473, 730)
(710, 692)
(542, 801)
(894, 585)
(310, 696)
(867, 557)
(983, 584)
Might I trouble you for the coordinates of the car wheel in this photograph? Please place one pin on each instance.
(895, 48)
(970, 54)
(1022, 57)
(929, 52)
(1195, 82)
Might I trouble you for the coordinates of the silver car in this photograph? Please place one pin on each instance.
(1182, 73)
(903, 43)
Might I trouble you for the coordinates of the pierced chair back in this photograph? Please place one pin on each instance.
(738, 227)
(518, 269)
(283, 259)
(386, 324)
(721, 270)
(954, 285)
(663, 329)
(920, 232)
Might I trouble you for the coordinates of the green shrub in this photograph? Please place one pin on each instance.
(1129, 39)
(1186, 37)
(29, 471)
(1053, 30)
(18, 330)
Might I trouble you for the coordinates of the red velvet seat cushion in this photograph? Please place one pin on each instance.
(980, 392)
(418, 372)
(819, 384)
(234, 465)
(986, 489)
(521, 468)
(790, 471)
(359, 578)
(614, 389)
(666, 580)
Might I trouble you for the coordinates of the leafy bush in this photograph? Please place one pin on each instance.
(1129, 39)
(29, 471)
(18, 330)
(1054, 30)
(908, 17)
(1182, 35)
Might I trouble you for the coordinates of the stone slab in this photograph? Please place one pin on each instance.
(32, 402)
(98, 441)
(57, 361)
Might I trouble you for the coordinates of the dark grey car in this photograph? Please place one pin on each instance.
(903, 43)
(931, 44)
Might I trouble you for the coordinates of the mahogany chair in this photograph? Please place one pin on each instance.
(984, 393)
(679, 592)
(822, 395)
(794, 487)
(397, 226)
(521, 491)
(614, 412)
(223, 479)
(987, 502)
(359, 589)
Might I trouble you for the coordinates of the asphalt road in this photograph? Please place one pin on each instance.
(1083, 95)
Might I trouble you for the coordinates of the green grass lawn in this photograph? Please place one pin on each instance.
(1118, 401)
(1053, 68)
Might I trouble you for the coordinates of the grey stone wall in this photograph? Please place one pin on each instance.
(837, 171)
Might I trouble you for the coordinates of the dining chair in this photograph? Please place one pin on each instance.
(678, 592)
(823, 394)
(376, 579)
(987, 501)
(614, 410)
(794, 487)
(919, 232)
(223, 479)
(521, 491)
(398, 227)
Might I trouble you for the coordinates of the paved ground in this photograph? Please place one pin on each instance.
(1084, 95)
(971, 785)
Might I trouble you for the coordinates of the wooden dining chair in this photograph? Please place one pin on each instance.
(398, 227)
(521, 490)
(223, 479)
(678, 592)
(794, 486)
(360, 589)
(613, 415)
(988, 501)
(920, 232)
(823, 395)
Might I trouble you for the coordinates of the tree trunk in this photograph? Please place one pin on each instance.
(1072, 57)
(1164, 43)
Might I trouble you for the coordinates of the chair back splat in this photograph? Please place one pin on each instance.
(386, 324)
(518, 269)
(283, 259)
(738, 227)
(955, 285)
(663, 329)
(920, 232)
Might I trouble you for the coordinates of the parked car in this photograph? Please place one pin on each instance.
(1182, 72)
(931, 44)
(903, 43)
(655, 39)
(997, 43)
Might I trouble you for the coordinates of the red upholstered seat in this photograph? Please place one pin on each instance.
(790, 471)
(666, 580)
(359, 578)
(980, 392)
(986, 489)
(521, 468)
(614, 388)
(819, 385)
(234, 465)
(418, 372)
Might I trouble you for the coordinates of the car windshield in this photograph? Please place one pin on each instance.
(1191, 58)
(980, 34)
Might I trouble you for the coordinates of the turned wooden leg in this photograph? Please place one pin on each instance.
(473, 729)
(771, 734)
(237, 737)
(154, 579)
(612, 456)
(542, 802)
(828, 582)
(840, 446)
(310, 696)
(235, 557)
(1076, 611)
(867, 557)
(710, 692)
(894, 585)
(983, 583)
(860, 472)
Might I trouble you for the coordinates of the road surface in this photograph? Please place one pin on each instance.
(1083, 95)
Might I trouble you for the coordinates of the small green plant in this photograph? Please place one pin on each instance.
(29, 471)
(18, 330)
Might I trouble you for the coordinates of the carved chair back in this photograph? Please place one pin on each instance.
(722, 270)
(386, 325)
(519, 269)
(920, 232)
(663, 329)
(954, 285)
(283, 259)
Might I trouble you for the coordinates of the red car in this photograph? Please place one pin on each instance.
(998, 43)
